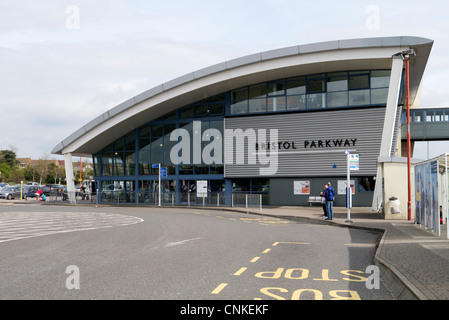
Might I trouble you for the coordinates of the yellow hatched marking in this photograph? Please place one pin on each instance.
(240, 271)
(219, 288)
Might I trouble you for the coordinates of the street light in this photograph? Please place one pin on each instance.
(406, 56)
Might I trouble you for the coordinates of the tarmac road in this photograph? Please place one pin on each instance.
(57, 252)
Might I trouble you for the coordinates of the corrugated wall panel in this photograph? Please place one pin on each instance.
(305, 130)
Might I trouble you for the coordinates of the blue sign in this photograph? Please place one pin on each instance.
(154, 166)
(163, 172)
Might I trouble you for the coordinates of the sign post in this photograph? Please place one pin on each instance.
(158, 165)
(352, 164)
(201, 189)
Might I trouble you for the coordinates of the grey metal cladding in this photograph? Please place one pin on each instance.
(312, 159)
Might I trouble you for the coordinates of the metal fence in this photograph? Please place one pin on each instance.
(168, 198)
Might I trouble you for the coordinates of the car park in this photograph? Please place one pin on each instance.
(10, 192)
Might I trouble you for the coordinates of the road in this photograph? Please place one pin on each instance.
(57, 252)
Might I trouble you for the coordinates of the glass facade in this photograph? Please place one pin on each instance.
(318, 91)
(187, 141)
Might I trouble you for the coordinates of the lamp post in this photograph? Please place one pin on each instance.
(406, 56)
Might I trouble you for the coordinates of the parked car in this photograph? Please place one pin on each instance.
(55, 187)
(10, 192)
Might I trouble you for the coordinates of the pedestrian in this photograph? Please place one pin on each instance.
(323, 200)
(329, 195)
(39, 194)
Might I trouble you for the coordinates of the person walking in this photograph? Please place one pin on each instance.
(323, 200)
(329, 195)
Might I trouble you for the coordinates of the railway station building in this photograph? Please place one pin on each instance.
(275, 123)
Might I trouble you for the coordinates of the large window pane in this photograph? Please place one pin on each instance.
(296, 86)
(144, 156)
(359, 97)
(379, 96)
(337, 99)
(258, 91)
(216, 109)
(276, 89)
(358, 81)
(380, 78)
(106, 161)
(316, 101)
(186, 112)
(315, 85)
(239, 107)
(118, 163)
(201, 110)
(130, 141)
(257, 105)
(157, 130)
(118, 157)
(337, 82)
(130, 168)
(144, 132)
(157, 149)
(276, 104)
(296, 102)
(239, 95)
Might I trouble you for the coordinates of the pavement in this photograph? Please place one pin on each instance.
(413, 261)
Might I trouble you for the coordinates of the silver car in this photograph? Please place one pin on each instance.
(10, 192)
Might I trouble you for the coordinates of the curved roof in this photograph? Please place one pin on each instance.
(339, 55)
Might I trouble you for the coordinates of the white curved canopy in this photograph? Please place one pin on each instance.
(341, 55)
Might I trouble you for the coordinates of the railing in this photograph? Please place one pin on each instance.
(168, 198)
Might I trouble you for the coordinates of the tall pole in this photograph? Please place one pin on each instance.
(348, 187)
(409, 202)
(159, 196)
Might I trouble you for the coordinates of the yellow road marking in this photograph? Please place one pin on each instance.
(266, 251)
(255, 259)
(240, 271)
(219, 288)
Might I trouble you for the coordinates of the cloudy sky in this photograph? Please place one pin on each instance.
(62, 63)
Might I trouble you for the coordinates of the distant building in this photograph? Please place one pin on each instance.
(26, 162)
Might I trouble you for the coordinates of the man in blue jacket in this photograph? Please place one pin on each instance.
(329, 195)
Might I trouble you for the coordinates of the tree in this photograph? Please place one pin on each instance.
(5, 172)
(42, 167)
(8, 157)
(54, 173)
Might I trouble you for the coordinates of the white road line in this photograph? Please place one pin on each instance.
(21, 225)
(171, 244)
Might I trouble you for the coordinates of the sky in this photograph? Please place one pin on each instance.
(63, 63)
